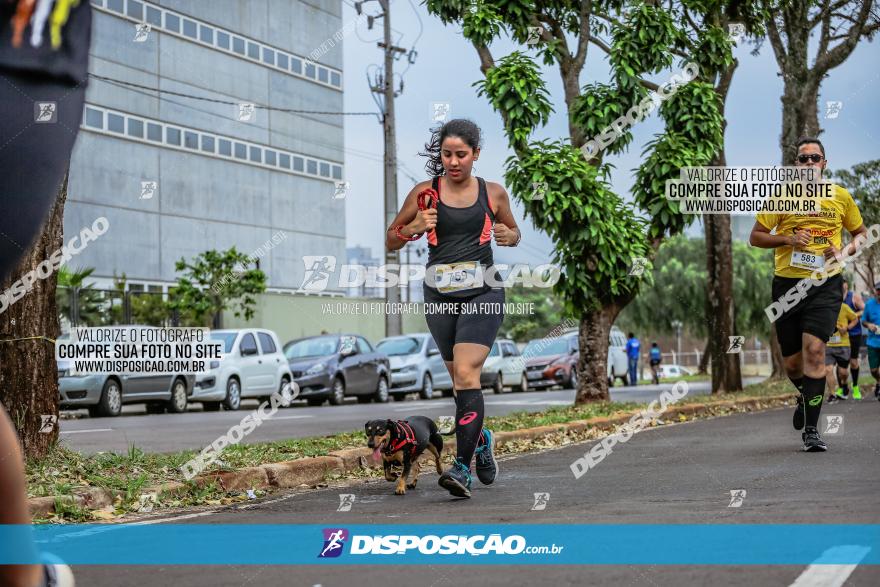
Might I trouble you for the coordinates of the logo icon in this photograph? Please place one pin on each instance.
(736, 344)
(541, 500)
(467, 418)
(539, 189)
(833, 424)
(833, 108)
(736, 31)
(148, 189)
(246, 112)
(45, 112)
(346, 500)
(47, 423)
(334, 541)
(318, 269)
(341, 189)
(638, 266)
(347, 345)
(445, 424)
(440, 111)
(736, 498)
(141, 32)
(534, 35)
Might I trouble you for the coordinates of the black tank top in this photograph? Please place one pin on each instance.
(462, 234)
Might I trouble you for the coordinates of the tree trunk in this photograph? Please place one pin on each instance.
(592, 367)
(704, 360)
(28, 372)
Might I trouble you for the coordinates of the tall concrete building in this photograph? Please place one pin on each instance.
(176, 175)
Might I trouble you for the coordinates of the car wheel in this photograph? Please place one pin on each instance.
(498, 384)
(111, 399)
(178, 401)
(572, 382)
(233, 394)
(155, 407)
(286, 398)
(399, 397)
(523, 383)
(381, 395)
(624, 379)
(337, 395)
(211, 406)
(315, 401)
(427, 391)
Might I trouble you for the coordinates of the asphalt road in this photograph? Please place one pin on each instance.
(196, 429)
(668, 475)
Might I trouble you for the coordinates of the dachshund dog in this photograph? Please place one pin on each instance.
(402, 442)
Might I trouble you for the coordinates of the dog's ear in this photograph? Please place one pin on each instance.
(389, 424)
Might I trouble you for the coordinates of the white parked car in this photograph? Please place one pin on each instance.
(504, 367)
(416, 366)
(253, 365)
(670, 371)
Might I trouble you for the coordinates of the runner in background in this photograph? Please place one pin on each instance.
(656, 358)
(837, 352)
(871, 322)
(632, 355)
(854, 301)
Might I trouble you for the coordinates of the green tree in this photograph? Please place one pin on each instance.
(526, 326)
(213, 282)
(91, 303)
(147, 308)
(863, 183)
(595, 234)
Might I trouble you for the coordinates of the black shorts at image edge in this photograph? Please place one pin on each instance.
(449, 329)
(816, 314)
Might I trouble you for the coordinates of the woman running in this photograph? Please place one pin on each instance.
(460, 212)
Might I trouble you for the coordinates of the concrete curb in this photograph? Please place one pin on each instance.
(311, 471)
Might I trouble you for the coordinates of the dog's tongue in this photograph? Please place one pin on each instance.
(377, 453)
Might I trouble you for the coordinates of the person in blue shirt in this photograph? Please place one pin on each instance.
(632, 353)
(656, 357)
(871, 322)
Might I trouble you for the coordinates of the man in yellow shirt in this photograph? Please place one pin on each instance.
(838, 351)
(805, 243)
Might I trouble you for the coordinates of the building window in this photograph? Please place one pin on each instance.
(206, 34)
(94, 118)
(312, 167)
(284, 161)
(135, 128)
(172, 136)
(337, 172)
(254, 51)
(268, 56)
(154, 132)
(310, 70)
(335, 79)
(255, 154)
(207, 144)
(135, 9)
(189, 28)
(115, 123)
(240, 151)
(270, 157)
(325, 170)
(172, 22)
(296, 66)
(116, 5)
(222, 40)
(297, 163)
(238, 45)
(225, 147)
(154, 16)
(190, 140)
(283, 61)
(322, 75)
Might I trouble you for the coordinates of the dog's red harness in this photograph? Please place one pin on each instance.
(405, 436)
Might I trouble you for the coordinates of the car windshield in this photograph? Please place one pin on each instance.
(399, 346)
(226, 338)
(312, 347)
(495, 350)
(544, 347)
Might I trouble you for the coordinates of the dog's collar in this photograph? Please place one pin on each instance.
(405, 436)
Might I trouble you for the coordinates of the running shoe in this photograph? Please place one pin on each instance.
(831, 399)
(857, 394)
(56, 573)
(839, 393)
(457, 480)
(798, 418)
(812, 441)
(487, 468)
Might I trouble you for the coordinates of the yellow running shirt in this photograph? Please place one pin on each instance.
(825, 227)
(843, 319)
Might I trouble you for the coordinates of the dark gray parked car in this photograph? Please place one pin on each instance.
(332, 366)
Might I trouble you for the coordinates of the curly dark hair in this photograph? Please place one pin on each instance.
(462, 128)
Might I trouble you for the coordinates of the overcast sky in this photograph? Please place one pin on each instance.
(447, 66)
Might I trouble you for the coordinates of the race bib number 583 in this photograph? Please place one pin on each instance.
(805, 260)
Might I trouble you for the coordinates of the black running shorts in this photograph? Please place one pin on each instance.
(816, 314)
(454, 320)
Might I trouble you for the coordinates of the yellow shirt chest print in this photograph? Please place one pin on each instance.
(825, 227)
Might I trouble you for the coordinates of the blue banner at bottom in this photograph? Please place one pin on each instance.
(526, 544)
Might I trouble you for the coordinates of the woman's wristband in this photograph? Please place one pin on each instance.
(518, 237)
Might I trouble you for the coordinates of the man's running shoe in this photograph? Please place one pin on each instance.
(487, 468)
(831, 399)
(457, 480)
(857, 394)
(812, 441)
(839, 393)
(798, 419)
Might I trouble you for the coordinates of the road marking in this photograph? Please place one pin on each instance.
(273, 418)
(821, 574)
(183, 517)
(92, 430)
(414, 408)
